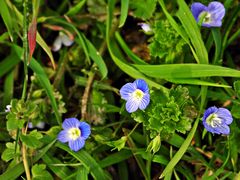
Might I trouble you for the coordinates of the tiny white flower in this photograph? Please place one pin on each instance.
(61, 39)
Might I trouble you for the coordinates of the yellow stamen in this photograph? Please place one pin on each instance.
(74, 133)
(138, 94)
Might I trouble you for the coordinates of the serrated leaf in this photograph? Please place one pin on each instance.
(9, 153)
(13, 122)
(143, 8)
(39, 172)
(32, 139)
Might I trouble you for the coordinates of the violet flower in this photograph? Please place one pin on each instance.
(136, 94)
(217, 120)
(211, 15)
(75, 133)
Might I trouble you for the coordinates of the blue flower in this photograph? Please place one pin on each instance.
(210, 15)
(136, 94)
(216, 120)
(75, 133)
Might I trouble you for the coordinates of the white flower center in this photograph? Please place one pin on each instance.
(74, 133)
(138, 94)
(213, 120)
(205, 17)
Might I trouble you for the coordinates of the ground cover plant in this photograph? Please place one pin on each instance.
(119, 89)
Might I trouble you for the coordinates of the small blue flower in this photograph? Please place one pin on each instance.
(216, 120)
(75, 133)
(136, 94)
(212, 14)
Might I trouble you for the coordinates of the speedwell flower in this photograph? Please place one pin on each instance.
(216, 120)
(75, 133)
(211, 15)
(136, 94)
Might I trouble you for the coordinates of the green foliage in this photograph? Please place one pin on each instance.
(10, 152)
(168, 113)
(110, 49)
(118, 144)
(39, 172)
(143, 9)
(20, 113)
(166, 43)
(32, 140)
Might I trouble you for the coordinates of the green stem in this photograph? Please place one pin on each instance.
(25, 61)
(25, 47)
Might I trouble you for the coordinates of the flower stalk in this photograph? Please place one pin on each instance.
(24, 91)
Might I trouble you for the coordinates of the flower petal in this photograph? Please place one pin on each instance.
(132, 105)
(70, 123)
(85, 130)
(196, 9)
(57, 44)
(142, 85)
(225, 115)
(222, 129)
(217, 10)
(209, 111)
(144, 102)
(127, 90)
(77, 144)
(63, 136)
(66, 40)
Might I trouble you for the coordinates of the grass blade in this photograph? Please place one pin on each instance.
(88, 162)
(124, 12)
(7, 18)
(176, 158)
(192, 29)
(176, 71)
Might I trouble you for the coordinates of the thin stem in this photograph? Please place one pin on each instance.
(25, 61)
(25, 47)
(89, 84)
(25, 160)
(86, 95)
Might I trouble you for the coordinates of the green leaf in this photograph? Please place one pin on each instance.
(143, 9)
(8, 63)
(32, 139)
(42, 77)
(197, 82)
(124, 12)
(39, 39)
(115, 158)
(82, 173)
(9, 153)
(7, 18)
(15, 171)
(131, 71)
(46, 48)
(118, 144)
(178, 28)
(236, 86)
(177, 71)
(61, 171)
(8, 88)
(76, 9)
(96, 57)
(88, 162)
(193, 32)
(13, 123)
(176, 158)
(126, 49)
(39, 172)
